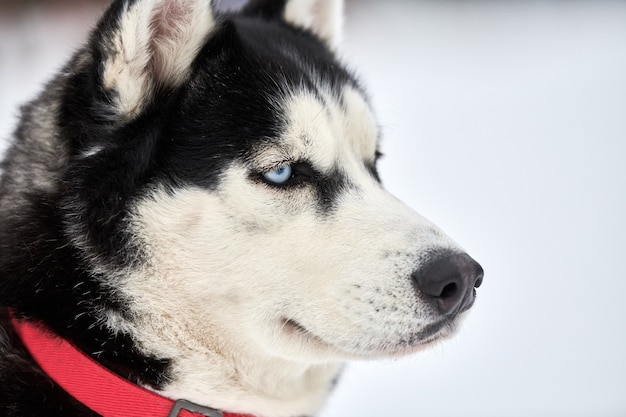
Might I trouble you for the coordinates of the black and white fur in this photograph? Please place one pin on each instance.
(141, 217)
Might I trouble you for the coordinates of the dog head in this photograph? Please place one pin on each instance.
(218, 182)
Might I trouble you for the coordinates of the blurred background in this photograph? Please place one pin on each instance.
(505, 123)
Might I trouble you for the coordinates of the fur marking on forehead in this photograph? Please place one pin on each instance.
(325, 129)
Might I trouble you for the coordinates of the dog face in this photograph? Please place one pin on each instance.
(303, 250)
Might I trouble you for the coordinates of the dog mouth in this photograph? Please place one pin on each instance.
(411, 343)
(294, 328)
(433, 332)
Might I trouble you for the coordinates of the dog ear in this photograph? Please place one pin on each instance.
(149, 44)
(322, 17)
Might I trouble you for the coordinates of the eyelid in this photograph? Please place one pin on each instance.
(275, 165)
(301, 172)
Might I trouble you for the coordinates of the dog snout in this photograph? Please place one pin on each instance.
(449, 281)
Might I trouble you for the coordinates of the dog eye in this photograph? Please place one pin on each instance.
(279, 175)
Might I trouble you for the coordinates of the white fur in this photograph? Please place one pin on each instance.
(322, 17)
(155, 44)
(229, 268)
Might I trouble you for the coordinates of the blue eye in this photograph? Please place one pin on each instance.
(278, 176)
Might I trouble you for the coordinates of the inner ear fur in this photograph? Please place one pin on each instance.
(153, 45)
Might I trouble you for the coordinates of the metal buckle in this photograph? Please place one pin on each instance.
(194, 408)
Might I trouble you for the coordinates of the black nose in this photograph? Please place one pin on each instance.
(448, 282)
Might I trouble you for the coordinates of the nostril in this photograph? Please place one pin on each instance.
(478, 273)
(449, 291)
(479, 280)
(449, 282)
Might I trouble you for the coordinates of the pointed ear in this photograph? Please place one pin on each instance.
(322, 17)
(149, 44)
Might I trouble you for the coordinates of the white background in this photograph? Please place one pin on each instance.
(505, 123)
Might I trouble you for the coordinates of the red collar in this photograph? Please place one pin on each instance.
(95, 386)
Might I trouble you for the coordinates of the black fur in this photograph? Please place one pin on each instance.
(183, 136)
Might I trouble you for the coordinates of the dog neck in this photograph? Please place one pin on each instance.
(276, 389)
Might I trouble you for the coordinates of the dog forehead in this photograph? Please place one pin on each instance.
(325, 127)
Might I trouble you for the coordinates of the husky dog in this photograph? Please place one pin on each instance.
(191, 211)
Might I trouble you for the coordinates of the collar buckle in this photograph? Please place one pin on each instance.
(194, 408)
